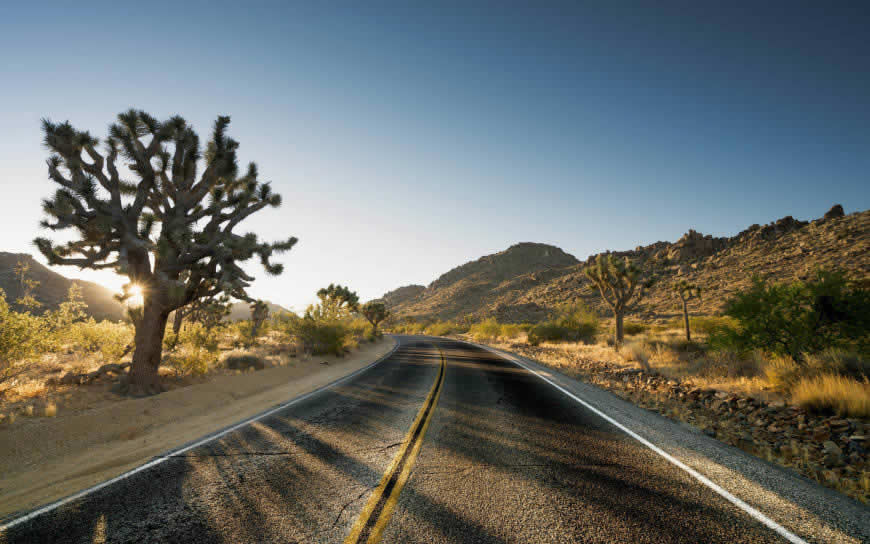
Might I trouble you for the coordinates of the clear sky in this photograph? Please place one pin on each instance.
(408, 140)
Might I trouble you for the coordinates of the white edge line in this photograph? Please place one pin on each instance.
(782, 531)
(171, 453)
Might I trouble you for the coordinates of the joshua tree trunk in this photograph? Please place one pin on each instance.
(620, 316)
(149, 347)
(686, 320)
(176, 323)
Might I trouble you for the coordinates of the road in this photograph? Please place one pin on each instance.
(440, 442)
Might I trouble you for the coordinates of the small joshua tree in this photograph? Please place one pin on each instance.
(259, 313)
(336, 302)
(617, 281)
(375, 312)
(170, 230)
(686, 291)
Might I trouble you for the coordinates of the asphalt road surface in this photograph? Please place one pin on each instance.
(440, 442)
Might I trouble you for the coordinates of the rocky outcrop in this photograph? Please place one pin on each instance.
(835, 212)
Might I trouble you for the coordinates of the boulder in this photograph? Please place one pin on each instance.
(835, 212)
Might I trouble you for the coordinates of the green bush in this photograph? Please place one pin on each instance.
(110, 339)
(197, 336)
(488, 329)
(798, 318)
(633, 327)
(21, 336)
(194, 361)
(440, 328)
(569, 322)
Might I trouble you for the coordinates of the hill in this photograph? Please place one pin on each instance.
(242, 310)
(53, 287)
(524, 282)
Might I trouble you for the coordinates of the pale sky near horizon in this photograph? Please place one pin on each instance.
(408, 140)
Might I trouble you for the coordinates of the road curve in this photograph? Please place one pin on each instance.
(477, 449)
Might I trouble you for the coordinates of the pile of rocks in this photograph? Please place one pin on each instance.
(829, 449)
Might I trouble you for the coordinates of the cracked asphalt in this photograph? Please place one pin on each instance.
(506, 458)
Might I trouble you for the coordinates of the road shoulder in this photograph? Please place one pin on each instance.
(795, 502)
(45, 461)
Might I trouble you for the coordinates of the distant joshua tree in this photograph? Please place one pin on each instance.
(192, 254)
(617, 281)
(686, 291)
(259, 313)
(336, 302)
(374, 312)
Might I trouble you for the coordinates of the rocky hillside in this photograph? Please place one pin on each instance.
(524, 282)
(53, 287)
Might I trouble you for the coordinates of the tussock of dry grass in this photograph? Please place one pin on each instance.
(834, 393)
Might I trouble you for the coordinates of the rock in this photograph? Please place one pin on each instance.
(833, 454)
(835, 212)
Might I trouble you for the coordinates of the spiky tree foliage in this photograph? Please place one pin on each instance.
(617, 281)
(170, 230)
(374, 311)
(686, 291)
(208, 311)
(259, 313)
(336, 302)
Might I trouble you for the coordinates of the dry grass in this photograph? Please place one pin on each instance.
(833, 393)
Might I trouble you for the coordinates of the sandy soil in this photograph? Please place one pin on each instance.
(50, 458)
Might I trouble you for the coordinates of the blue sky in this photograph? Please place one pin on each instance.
(408, 140)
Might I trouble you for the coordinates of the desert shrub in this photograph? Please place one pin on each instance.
(21, 336)
(704, 324)
(488, 329)
(197, 336)
(112, 340)
(439, 328)
(569, 322)
(844, 362)
(709, 324)
(638, 352)
(729, 364)
(797, 318)
(194, 361)
(320, 338)
(511, 330)
(170, 339)
(632, 328)
(833, 393)
(244, 362)
(549, 331)
(408, 327)
(357, 327)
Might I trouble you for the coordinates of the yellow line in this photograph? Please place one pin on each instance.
(410, 442)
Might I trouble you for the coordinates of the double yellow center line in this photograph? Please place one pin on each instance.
(373, 519)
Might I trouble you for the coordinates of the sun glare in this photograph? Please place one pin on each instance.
(136, 299)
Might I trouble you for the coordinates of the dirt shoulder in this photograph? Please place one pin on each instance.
(45, 459)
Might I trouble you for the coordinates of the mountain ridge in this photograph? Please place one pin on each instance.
(525, 290)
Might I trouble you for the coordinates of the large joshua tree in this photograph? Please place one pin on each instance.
(617, 281)
(686, 291)
(170, 230)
